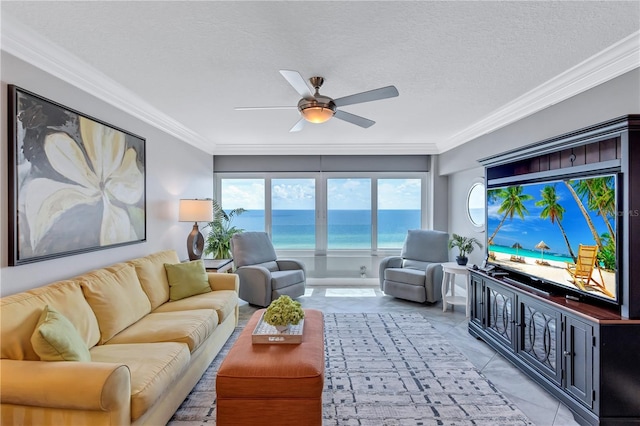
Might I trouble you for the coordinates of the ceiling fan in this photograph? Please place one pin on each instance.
(317, 108)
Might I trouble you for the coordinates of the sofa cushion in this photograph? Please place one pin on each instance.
(116, 297)
(281, 279)
(155, 368)
(224, 302)
(153, 276)
(56, 339)
(19, 314)
(405, 275)
(187, 279)
(190, 327)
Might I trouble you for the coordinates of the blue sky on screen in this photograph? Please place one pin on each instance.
(343, 194)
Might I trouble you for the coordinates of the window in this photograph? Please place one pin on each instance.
(293, 213)
(348, 213)
(475, 204)
(399, 209)
(247, 194)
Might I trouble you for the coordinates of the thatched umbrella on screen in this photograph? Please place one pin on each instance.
(516, 257)
(542, 246)
(516, 246)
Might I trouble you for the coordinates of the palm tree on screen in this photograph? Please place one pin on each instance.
(512, 204)
(553, 211)
(600, 195)
(569, 184)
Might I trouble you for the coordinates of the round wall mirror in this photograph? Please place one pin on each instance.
(476, 204)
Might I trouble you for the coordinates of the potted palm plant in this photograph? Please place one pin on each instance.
(464, 245)
(221, 230)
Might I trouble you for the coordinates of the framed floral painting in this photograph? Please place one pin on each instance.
(76, 184)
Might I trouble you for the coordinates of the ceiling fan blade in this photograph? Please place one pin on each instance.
(266, 107)
(297, 82)
(354, 119)
(371, 95)
(298, 126)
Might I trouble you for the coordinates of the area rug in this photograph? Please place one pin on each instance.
(385, 369)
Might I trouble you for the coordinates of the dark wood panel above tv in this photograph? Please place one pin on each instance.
(565, 160)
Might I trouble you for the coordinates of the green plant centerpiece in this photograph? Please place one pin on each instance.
(219, 239)
(464, 246)
(283, 312)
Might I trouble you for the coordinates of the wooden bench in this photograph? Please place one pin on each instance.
(274, 384)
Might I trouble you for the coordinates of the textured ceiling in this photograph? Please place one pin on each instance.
(454, 63)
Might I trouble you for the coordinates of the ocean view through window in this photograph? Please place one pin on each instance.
(346, 214)
(293, 218)
(299, 231)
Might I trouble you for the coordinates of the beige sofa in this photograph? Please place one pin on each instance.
(147, 352)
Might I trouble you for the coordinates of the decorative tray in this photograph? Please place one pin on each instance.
(267, 334)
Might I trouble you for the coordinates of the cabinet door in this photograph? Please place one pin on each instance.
(477, 300)
(539, 332)
(578, 359)
(499, 313)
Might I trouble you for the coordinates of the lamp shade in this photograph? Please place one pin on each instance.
(195, 211)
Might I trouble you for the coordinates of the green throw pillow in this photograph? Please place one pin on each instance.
(56, 339)
(187, 279)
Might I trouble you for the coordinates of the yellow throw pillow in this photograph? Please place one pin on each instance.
(116, 297)
(56, 339)
(187, 279)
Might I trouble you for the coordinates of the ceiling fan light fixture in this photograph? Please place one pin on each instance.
(317, 114)
(318, 110)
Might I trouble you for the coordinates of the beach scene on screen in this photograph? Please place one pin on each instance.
(563, 232)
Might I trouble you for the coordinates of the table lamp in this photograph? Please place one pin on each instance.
(195, 211)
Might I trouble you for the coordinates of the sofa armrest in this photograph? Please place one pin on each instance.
(290, 265)
(90, 386)
(223, 281)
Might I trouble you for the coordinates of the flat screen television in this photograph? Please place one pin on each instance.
(536, 230)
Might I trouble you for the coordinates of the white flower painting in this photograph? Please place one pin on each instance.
(80, 183)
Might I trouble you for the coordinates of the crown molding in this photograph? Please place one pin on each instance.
(606, 65)
(36, 50)
(418, 148)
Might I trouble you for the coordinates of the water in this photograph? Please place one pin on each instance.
(531, 253)
(347, 229)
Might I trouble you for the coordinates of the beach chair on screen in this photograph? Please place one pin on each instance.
(582, 271)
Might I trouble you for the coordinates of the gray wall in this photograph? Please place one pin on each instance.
(459, 223)
(174, 170)
(615, 98)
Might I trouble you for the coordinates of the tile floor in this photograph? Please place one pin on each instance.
(542, 408)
